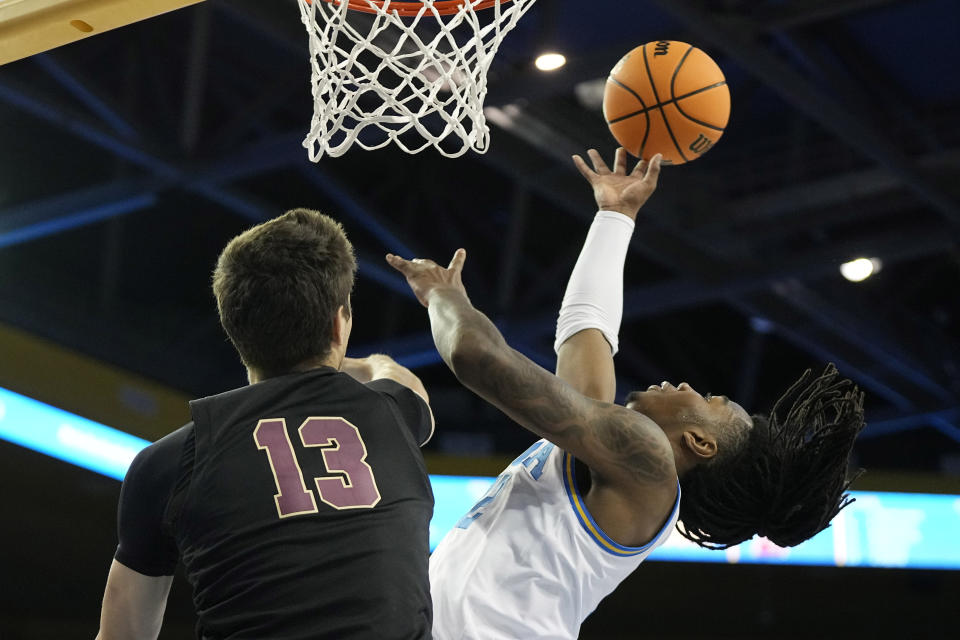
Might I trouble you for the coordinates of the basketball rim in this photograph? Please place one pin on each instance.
(412, 9)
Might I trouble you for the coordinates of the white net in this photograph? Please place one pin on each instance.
(416, 81)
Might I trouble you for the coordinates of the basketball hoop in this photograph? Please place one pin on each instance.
(407, 8)
(409, 73)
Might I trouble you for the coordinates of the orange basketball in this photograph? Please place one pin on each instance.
(667, 97)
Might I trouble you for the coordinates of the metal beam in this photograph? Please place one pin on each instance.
(271, 153)
(801, 13)
(270, 21)
(37, 219)
(80, 90)
(894, 424)
(247, 113)
(870, 337)
(350, 204)
(807, 264)
(196, 78)
(865, 85)
(23, 99)
(512, 250)
(63, 212)
(738, 41)
(78, 218)
(199, 183)
(750, 368)
(774, 205)
(787, 327)
(784, 324)
(688, 291)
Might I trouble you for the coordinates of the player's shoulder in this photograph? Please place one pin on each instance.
(385, 386)
(161, 456)
(395, 391)
(346, 384)
(407, 405)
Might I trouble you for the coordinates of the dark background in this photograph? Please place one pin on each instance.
(132, 157)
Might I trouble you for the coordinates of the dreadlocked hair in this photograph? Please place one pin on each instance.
(789, 479)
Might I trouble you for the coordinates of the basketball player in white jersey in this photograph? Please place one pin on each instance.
(577, 512)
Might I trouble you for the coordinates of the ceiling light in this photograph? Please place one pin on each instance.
(550, 61)
(860, 269)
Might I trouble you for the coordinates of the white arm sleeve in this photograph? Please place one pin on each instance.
(594, 296)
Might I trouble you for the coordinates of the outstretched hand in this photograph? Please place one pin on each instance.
(617, 190)
(426, 276)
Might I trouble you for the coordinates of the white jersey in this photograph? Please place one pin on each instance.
(528, 561)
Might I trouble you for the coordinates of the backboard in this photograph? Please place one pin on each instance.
(31, 26)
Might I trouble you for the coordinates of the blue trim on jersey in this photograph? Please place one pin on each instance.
(589, 524)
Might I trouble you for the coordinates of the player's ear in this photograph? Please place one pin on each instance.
(698, 442)
(342, 323)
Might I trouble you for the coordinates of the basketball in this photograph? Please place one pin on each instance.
(667, 97)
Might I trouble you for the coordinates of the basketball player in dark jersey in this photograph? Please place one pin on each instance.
(299, 505)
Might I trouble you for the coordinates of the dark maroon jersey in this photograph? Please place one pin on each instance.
(300, 508)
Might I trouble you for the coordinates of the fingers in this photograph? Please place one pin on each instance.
(582, 167)
(640, 169)
(600, 167)
(598, 164)
(620, 161)
(653, 170)
(456, 263)
(398, 263)
(409, 267)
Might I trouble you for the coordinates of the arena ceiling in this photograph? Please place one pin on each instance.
(129, 159)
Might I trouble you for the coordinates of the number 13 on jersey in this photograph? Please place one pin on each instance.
(343, 452)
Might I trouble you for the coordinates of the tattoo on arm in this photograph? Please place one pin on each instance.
(519, 386)
(633, 448)
(556, 411)
(611, 440)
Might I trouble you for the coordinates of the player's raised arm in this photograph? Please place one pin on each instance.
(618, 444)
(592, 307)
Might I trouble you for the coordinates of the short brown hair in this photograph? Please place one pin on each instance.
(278, 287)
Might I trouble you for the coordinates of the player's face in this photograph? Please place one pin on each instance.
(672, 407)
